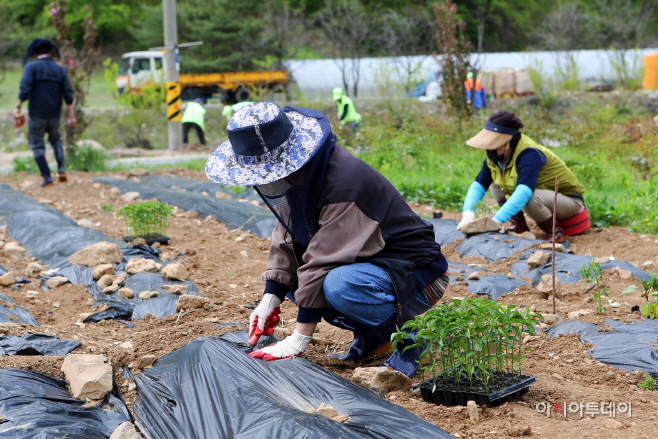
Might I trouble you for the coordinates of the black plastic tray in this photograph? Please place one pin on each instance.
(442, 396)
(162, 239)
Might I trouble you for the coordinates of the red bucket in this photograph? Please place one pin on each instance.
(577, 224)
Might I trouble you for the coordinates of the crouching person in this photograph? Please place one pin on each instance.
(346, 247)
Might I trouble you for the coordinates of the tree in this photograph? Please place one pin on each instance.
(282, 28)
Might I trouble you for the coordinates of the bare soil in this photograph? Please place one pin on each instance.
(564, 370)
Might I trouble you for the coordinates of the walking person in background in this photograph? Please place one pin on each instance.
(475, 93)
(44, 84)
(346, 112)
(229, 110)
(194, 116)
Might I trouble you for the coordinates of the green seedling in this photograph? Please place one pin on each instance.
(593, 274)
(649, 309)
(649, 382)
(107, 207)
(147, 219)
(481, 209)
(469, 340)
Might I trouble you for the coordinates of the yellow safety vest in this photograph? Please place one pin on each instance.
(352, 115)
(194, 112)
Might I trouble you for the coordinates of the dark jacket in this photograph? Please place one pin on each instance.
(44, 84)
(362, 218)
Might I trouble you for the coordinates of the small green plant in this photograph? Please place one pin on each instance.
(87, 159)
(593, 275)
(481, 209)
(649, 309)
(147, 219)
(469, 340)
(25, 164)
(107, 207)
(649, 382)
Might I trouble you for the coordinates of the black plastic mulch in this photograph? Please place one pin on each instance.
(188, 184)
(493, 246)
(629, 346)
(36, 344)
(445, 231)
(492, 284)
(10, 312)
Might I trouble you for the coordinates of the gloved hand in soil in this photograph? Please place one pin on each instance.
(467, 217)
(292, 346)
(265, 317)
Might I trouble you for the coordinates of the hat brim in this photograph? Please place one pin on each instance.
(486, 139)
(225, 168)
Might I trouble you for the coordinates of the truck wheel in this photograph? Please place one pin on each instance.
(242, 94)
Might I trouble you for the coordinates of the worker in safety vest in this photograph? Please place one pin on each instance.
(475, 94)
(230, 110)
(194, 117)
(346, 112)
(521, 176)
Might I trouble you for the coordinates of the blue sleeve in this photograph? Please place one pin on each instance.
(528, 165)
(27, 82)
(484, 98)
(475, 193)
(514, 204)
(468, 95)
(67, 91)
(484, 177)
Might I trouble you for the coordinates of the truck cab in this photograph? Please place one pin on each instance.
(140, 68)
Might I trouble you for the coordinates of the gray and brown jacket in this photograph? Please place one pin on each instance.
(362, 218)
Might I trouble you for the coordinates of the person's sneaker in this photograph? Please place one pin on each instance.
(62, 178)
(47, 182)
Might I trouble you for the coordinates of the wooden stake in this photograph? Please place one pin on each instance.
(557, 185)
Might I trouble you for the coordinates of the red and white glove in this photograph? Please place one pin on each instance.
(292, 346)
(264, 318)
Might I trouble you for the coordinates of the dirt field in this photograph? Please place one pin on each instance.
(564, 370)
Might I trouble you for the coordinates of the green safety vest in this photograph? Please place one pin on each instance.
(195, 113)
(352, 115)
(240, 105)
(554, 167)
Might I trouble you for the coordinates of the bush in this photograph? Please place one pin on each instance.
(25, 164)
(88, 159)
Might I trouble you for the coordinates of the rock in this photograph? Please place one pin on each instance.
(146, 361)
(126, 293)
(13, 250)
(340, 418)
(102, 270)
(175, 271)
(519, 430)
(326, 410)
(138, 172)
(145, 295)
(538, 258)
(119, 278)
(89, 376)
(528, 235)
(7, 279)
(84, 222)
(459, 279)
(111, 289)
(581, 312)
(551, 319)
(105, 281)
(90, 143)
(175, 289)
(557, 376)
(625, 274)
(125, 431)
(219, 194)
(188, 301)
(130, 196)
(244, 254)
(56, 281)
(141, 265)
(473, 276)
(56, 304)
(381, 379)
(100, 253)
(613, 424)
(33, 269)
(481, 225)
(193, 215)
(545, 287)
(601, 260)
(239, 239)
(473, 412)
(549, 246)
(654, 404)
(131, 387)
(115, 191)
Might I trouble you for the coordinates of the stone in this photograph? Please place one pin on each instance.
(381, 379)
(581, 312)
(473, 413)
(219, 194)
(145, 295)
(115, 191)
(105, 281)
(244, 254)
(601, 260)
(557, 376)
(130, 196)
(175, 271)
(545, 287)
(100, 253)
(193, 215)
(138, 172)
(549, 246)
(481, 225)
(126, 345)
(119, 278)
(538, 258)
(33, 269)
(89, 376)
(13, 250)
(141, 265)
(56, 304)
(519, 430)
(654, 404)
(551, 319)
(7, 279)
(102, 270)
(125, 431)
(188, 301)
(326, 410)
(613, 424)
(625, 274)
(473, 276)
(84, 222)
(528, 235)
(56, 281)
(146, 361)
(126, 293)
(90, 143)
(340, 418)
(175, 289)
(111, 289)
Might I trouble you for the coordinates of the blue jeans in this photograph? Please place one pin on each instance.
(37, 129)
(365, 293)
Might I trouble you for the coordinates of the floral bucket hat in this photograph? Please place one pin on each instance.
(267, 143)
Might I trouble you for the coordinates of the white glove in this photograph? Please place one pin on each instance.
(292, 346)
(468, 216)
(263, 319)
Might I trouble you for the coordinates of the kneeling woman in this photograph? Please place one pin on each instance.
(521, 176)
(346, 247)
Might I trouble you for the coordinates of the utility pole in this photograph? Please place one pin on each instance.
(174, 114)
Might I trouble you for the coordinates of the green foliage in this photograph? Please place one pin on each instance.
(649, 382)
(25, 164)
(468, 339)
(107, 207)
(649, 309)
(593, 274)
(87, 159)
(147, 219)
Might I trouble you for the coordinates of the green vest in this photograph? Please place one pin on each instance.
(352, 115)
(195, 113)
(554, 167)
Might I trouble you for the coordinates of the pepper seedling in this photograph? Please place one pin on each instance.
(649, 309)
(649, 382)
(148, 219)
(593, 274)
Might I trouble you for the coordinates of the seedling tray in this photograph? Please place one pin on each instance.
(506, 387)
(150, 239)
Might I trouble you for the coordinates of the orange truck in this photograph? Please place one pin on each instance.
(138, 69)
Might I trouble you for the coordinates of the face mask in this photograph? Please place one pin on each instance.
(492, 155)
